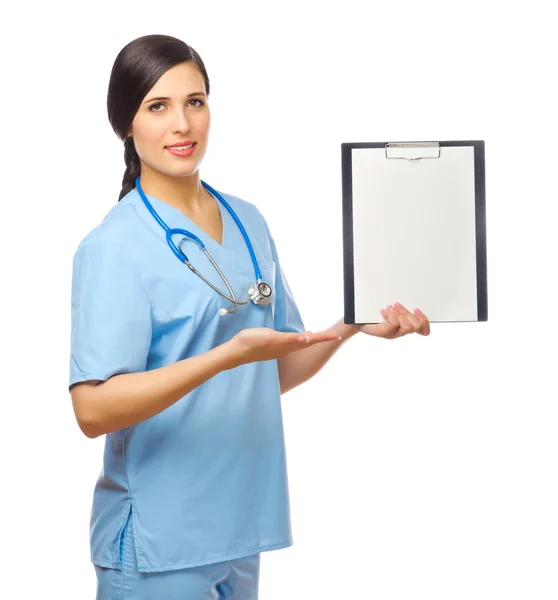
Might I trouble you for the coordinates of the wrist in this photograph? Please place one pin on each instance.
(230, 354)
(346, 330)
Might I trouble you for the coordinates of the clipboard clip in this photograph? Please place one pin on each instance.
(413, 150)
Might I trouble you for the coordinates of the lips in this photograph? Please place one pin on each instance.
(182, 152)
(186, 143)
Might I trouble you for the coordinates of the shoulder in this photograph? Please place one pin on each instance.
(104, 260)
(240, 204)
(247, 211)
(118, 225)
(105, 254)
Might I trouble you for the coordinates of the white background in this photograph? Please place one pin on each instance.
(419, 467)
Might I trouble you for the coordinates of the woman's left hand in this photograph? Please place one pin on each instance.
(400, 322)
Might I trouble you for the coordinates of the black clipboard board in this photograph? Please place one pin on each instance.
(414, 229)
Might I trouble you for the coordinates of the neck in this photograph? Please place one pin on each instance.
(185, 193)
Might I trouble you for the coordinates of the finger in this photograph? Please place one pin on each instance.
(308, 338)
(281, 338)
(391, 318)
(405, 327)
(319, 336)
(418, 322)
(401, 309)
(385, 329)
(414, 321)
(421, 315)
(425, 323)
(324, 336)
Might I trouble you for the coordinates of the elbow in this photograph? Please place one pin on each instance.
(83, 404)
(88, 426)
(89, 430)
(284, 388)
(285, 385)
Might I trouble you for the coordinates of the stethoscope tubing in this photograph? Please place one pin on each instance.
(254, 293)
(170, 232)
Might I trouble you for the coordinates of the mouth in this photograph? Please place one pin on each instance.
(181, 146)
(185, 150)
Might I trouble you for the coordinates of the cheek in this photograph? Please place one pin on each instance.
(204, 124)
(154, 132)
(150, 140)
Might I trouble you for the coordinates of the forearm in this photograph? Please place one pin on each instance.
(300, 366)
(124, 400)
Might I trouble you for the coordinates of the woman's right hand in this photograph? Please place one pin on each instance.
(261, 343)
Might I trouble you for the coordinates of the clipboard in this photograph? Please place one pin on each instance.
(414, 229)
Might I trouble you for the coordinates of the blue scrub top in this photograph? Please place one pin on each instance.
(204, 480)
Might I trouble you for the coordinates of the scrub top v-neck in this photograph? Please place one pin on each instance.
(182, 221)
(204, 480)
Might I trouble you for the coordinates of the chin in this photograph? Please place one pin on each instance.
(185, 171)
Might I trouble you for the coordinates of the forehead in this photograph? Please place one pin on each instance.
(184, 78)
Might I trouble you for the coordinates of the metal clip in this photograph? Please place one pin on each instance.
(412, 149)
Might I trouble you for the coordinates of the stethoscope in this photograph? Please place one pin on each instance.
(259, 292)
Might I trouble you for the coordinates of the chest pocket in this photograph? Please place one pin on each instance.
(244, 266)
(245, 272)
(268, 270)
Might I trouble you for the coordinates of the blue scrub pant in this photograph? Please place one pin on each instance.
(233, 579)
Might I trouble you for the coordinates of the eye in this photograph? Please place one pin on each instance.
(201, 103)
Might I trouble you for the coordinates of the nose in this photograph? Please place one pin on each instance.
(180, 121)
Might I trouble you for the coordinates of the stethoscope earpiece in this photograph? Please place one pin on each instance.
(223, 312)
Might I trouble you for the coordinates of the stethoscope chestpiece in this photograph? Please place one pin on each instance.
(260, 293)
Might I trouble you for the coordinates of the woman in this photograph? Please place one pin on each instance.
(194, 483)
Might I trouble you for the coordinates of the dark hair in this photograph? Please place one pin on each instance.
(135, 71)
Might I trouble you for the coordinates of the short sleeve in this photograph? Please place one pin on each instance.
(287, 316)
(110, 314)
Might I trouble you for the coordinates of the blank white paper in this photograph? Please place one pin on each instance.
(414, 234)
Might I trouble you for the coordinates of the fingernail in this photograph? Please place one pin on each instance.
(340, 337)
(302, 338)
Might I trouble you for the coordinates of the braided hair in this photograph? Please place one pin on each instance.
(133, 167)
(135, 71)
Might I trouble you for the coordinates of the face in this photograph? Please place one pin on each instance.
(182, 117)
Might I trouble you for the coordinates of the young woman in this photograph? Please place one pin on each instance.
(184, 380)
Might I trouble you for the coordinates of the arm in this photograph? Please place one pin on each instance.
(111, 336)
(124, 400)
(300, 366)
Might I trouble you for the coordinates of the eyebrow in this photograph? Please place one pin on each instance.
(167, 98)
